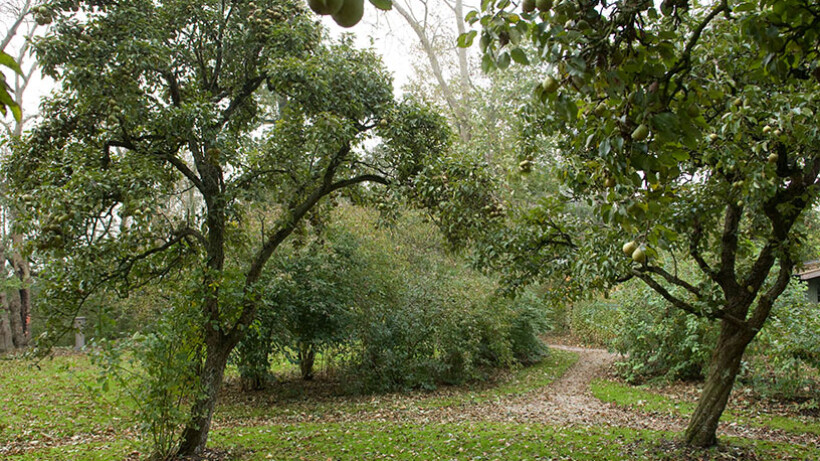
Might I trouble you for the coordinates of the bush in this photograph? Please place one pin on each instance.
(307, 308)
(407, 313)
(429, 318)
(659, 340)
(784, 359)
(158, 371)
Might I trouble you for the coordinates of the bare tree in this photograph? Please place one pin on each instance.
(422, 17)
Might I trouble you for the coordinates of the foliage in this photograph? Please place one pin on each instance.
(784, 360)
(659, 340)
(426, 318)
(157, 370)
(308, 307)
(689, 129)
(187, 142)
(404, 312)
(6, 101)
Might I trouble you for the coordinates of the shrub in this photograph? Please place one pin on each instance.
(407, 313)
(307, 308)
(784, 359)
(158, 371)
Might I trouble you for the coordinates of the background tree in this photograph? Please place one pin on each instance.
(23, 22)
(693, 134)
(161, 99)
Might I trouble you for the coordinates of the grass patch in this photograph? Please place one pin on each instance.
(57, 398)
(520, 381)
(479, 441)
(645, 399)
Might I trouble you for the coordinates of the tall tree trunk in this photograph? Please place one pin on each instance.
(724, 368)
(23, 271)
(15, 320)
(6, 341)
(195, 435)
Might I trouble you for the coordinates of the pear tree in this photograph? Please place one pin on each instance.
(691, 130)
(186, 142)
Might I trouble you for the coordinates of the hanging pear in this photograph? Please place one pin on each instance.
(325, 7)
(350, 14)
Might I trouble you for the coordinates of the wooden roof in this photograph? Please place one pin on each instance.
(809, 271)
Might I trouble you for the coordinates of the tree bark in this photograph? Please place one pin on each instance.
(15, 320)
(307, 356)
(195, 435)
(6, 342)
(6, 339)
(23, 271)
(724, 368)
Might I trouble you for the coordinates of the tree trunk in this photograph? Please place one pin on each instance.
(307, 356)
(16, 320)
(195, 435)
(723, 371)
(6, 341)
(23, 271)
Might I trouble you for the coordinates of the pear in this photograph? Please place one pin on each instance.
(350, 14)
(550, 85)
(630, 248)
(325, 7)
(528, 6)
(640, 133)
(639, 256)
(543, 5)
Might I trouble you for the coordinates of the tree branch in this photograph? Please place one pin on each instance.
(684, 306)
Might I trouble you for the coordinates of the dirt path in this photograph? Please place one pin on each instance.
(569, 402)
(566, 402)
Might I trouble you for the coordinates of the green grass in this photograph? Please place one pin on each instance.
(644, 399)
(55, 399)
(56, 402)
(521, 381)
(468, 440)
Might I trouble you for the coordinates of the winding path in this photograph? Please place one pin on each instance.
(569, 402)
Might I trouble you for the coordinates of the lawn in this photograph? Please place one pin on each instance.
(57, 411)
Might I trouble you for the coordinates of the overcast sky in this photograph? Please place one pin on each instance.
(387, 33)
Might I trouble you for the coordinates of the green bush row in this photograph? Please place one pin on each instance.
(405, 313)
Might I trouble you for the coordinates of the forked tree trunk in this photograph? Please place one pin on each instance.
(195, 435)
(724, 368)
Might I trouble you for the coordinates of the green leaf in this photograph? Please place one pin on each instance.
(466, 40)
(9, 62)
(504, 60)
(519, 56)
(385, 5)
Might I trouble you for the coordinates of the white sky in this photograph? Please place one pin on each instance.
(387, 33)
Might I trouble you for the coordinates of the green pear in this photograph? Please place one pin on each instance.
(528, 6)
(350, 14)
(543, 5)
(325, 7)
(640, 133)
(630, 248)
(639, 256)
(550, 85)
